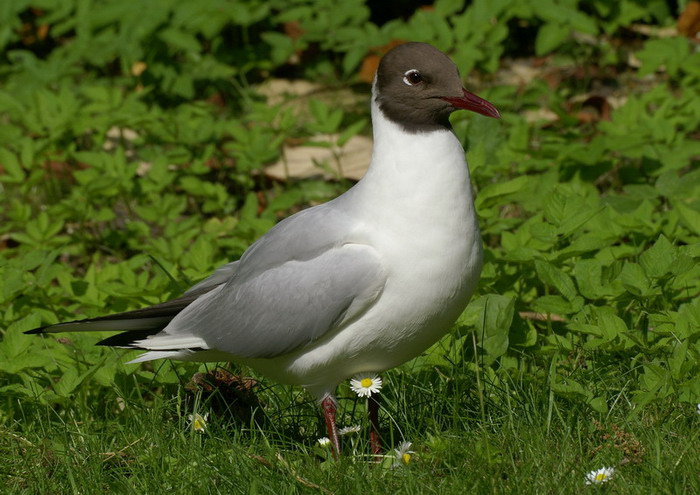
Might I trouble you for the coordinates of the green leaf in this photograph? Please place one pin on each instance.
(72, 379)
(656, 383)
(180, 39)
(635, 280)
(14, 342)
(499, 191)
(554, 277)
(351, 131)
(551, 36)
(689, 216)
(589, 275)
(598, 404)
(557, 305)
(12, 170)
(571, 389)
(670, 53)
(282, 46)
(657, 260)
(569, 212)
(611, 325)
(495, 314)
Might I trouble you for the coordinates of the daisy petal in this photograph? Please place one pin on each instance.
(347, 430)
(403, 455)
(602, 475)
(364, 385)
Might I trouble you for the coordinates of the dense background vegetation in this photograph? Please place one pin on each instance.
(135, 138)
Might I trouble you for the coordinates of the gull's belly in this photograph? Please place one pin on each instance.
(426, 290)
(425, 293)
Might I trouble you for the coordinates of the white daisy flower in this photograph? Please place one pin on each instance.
(324, 442)
(198, 422)
(403, 454)
(602, 475)
(366, 385)
(349, 429)
(698, 409)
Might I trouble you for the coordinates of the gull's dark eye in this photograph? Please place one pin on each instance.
(412, 77)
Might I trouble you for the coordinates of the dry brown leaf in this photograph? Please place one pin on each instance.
(293, 29)
(137, 68)
(42, 31)
(371, 62)
(689, 20)
(300, 162)
(540, 115)
(531, 315)
(520, 73)
(654, 31)
(278, 91)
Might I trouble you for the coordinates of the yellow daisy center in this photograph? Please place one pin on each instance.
(406, 458)
(601, 477)
(366, 382)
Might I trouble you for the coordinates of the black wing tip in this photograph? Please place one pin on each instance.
(127, 339)
(36, 331)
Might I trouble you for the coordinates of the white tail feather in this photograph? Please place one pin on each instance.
(151, 355)
(184, 355)
(168, 342)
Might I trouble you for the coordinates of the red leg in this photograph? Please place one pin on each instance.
(373, 409)
(329, 408)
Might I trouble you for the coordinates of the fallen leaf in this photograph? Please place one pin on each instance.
(137, 68)
(371, 62)
(293, 29)
(531, 315)
(540, 115)
(654, 31)
(298, 162)
(689, 20)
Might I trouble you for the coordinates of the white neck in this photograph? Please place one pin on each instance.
(422, 174)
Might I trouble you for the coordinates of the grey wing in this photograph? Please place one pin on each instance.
(284, 307)
(301, 236)
(222, 275)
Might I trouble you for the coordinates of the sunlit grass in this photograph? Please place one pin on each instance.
(519, 446)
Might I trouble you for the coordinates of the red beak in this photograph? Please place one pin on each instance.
(474, 103)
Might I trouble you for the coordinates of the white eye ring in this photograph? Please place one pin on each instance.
(411, 74)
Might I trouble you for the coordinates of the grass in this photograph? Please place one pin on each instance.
(524, 442)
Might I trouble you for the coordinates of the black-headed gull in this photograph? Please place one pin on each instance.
(360, 284)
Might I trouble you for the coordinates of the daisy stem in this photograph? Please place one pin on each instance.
(373, 412)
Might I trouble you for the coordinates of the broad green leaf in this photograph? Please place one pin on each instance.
(557, 305)
(598, 404)
(670, 53)
(657, 260)
(611, 325)
(14, 342)
(569, 388)
(496, 192)
(589, 278)
(656, 383)
(180, 39)
(494, 314)
(636, 281)
(689, 216)
(554, 277)
(551, 36)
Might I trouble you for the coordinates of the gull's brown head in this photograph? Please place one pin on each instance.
(418, 87)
